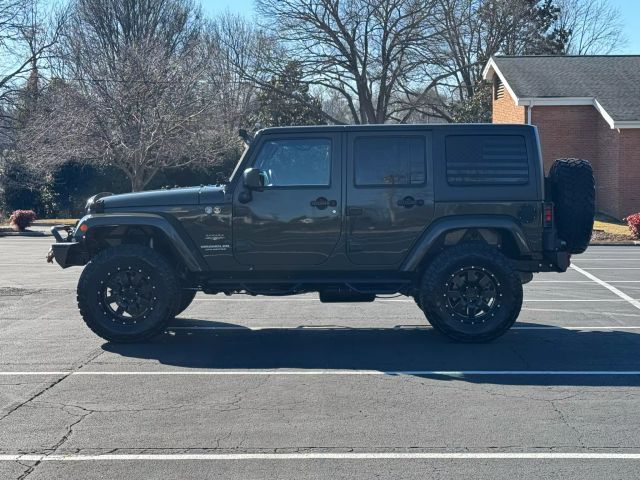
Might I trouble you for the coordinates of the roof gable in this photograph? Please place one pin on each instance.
(610, 83)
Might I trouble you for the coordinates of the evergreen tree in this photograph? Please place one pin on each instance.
(287, 101)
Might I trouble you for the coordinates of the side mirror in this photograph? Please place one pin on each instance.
(253, 178)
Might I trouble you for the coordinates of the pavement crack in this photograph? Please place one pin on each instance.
(565, 420)
(84, 413)
(77, 366)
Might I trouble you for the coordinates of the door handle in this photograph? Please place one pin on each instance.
(321, 203)
(409, 202)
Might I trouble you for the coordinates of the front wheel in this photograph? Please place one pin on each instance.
(471, 293)
(128, 293)
(186, 297)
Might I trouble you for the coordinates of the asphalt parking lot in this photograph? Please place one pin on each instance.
(290, 388)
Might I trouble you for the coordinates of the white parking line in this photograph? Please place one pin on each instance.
(266, 372)
(609, 287)
(387, 300)
(599, 259)
(581, 281)
(582, 312)
(325, 456)
(613, 268)
(559, 281)
(397, 328)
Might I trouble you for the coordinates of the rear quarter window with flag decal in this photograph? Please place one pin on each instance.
(486, 160)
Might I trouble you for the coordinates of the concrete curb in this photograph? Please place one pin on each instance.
(30, 233)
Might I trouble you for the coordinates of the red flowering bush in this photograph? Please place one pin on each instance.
(20, 220)
(634, 224)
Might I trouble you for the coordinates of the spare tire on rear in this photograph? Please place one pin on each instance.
(573, 192)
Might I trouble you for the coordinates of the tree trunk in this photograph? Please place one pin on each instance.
(137, 183)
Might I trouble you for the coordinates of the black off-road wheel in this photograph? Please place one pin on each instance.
(186, 297)
(471, 293)
(128, 293)
(574, 193)
(416, 299)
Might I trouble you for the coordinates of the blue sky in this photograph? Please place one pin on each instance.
(630, 10)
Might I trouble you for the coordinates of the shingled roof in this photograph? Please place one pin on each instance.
(609, 83)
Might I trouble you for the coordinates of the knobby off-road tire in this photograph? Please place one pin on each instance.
(471, 293)
(573, 193)
(186, 297)
(128, 293)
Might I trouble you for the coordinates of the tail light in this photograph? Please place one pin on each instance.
(548, 214)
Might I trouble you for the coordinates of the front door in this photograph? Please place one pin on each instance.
(295, 220)
(389, 194)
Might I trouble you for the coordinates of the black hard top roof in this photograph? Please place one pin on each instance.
(395, 127)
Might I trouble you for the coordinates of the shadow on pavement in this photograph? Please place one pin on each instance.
(230, 346)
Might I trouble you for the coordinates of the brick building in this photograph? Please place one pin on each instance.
(586, 107)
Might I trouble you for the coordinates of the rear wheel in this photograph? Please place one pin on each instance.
(128, 293)
(471, 293)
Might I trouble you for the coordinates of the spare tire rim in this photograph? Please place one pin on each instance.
(472, 295)
(128, 295)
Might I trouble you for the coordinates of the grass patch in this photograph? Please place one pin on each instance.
(611, 225)
(55, 221)
(44, 222)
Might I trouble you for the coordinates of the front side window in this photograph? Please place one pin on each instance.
(383, 161)
(295, 162)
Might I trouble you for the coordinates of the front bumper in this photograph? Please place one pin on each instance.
(66, 252)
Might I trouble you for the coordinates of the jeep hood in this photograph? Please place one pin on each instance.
(169, 197)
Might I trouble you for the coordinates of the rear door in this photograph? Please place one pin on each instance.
(389, 194)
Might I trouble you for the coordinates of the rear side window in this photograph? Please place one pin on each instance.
(383, 161)
(477, 160)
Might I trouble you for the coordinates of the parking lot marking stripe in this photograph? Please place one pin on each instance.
(599, 259)
(400, 328)
(388, 300)
(326, 456)
(258, 372)
(613, 268)
(586, 312)
(581, 281)
(609, 287)
(560, 281)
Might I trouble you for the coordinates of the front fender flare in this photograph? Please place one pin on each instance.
(174, 234)
(446, 224)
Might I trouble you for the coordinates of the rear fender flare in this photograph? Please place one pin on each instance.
(178, 239)
(440, 228)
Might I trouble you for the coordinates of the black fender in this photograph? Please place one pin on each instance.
(178, 239)
(447, 224)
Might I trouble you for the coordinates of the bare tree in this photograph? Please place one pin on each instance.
(595, 26)
(470, 32)
(28, 31)
(367, 52)
(134, 87)
(239, 53)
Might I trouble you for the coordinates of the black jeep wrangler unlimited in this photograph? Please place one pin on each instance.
(456, 216)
